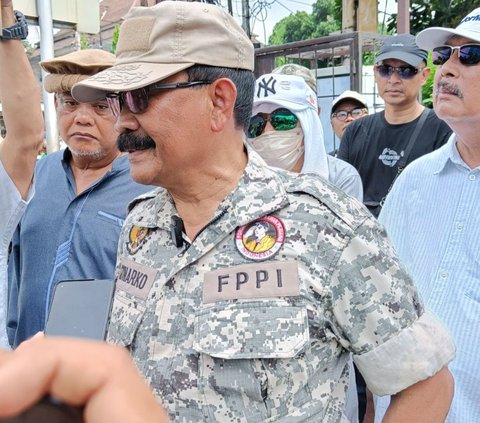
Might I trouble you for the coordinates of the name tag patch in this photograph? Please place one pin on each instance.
(134, 278)
(256, 280)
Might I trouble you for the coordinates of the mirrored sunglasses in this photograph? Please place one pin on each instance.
(137, 100)
(343, 114)
(468, 54)
(404, 72)
(281, 120)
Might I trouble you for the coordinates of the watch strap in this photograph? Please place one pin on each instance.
(18, 31)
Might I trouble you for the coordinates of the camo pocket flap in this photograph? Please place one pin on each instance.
(253, 329)
(125, 319)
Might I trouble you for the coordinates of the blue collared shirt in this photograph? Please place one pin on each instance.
(64, 235)
(432, 216)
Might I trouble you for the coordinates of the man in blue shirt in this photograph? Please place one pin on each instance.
(70, 229)
(432, 215)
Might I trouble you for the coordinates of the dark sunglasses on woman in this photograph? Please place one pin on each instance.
(468, 54)
(281, 120)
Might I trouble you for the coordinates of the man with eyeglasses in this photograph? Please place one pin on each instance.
(380, 145)
(432, 212)
(222, 331)
(286, 131)
(71, 227)
(347, 107)
(18, 150)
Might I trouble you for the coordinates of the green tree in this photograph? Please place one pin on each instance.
(427, 88)
(427, 13)
(115, 35)
(326, 17)
(295, 27)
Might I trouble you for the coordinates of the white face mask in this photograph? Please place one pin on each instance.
(280, 148)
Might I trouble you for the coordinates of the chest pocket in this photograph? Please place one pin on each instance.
(125, 319)
(246, 350)
(252, 329)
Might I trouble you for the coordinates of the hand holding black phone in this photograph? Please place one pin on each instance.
(79, 309)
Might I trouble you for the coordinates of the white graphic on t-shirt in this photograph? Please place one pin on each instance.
(389, 157)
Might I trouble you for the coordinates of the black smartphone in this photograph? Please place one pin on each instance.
(48, 410)
(80, 308)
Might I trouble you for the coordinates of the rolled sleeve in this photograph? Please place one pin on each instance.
(414, 354)
(380, 318)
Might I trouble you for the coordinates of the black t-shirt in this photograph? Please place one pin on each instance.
(374, 147)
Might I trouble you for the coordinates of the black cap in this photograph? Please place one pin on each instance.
(402, 47)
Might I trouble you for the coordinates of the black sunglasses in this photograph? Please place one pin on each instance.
(343, 114)
(137, 100)
(281, 120)
(468, 54)
(405, 72)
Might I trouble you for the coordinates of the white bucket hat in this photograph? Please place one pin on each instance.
(469, 27)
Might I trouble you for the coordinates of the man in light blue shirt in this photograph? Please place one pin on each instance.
(432, 212)
(18, 151)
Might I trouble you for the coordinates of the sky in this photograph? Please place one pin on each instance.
(272, 11)
(275, 10)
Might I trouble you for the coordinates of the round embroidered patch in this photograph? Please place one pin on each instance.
(137, 237)
(260, 239)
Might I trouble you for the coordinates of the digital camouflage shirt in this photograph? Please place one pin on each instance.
(225, 332)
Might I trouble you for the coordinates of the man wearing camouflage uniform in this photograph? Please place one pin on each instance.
(225, 332)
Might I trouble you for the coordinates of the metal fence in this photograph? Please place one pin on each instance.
(337, 61)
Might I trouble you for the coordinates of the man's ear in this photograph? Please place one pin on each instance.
(425, 74)
(223, 94)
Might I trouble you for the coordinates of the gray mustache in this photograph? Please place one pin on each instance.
(447, 87)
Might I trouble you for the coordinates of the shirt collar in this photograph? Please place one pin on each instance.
(120, 163)
(449, 153)
(260, 191)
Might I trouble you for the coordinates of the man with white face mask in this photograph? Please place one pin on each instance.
(286, 131)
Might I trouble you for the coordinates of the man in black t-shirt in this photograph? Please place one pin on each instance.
(375, 144)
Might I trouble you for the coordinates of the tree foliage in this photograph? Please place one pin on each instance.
(326, 17)
(427, 13)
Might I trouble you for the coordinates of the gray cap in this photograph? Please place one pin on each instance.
(402, 47)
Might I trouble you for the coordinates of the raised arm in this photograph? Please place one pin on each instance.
(20, 96)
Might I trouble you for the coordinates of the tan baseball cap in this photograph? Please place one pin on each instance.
(159, 41)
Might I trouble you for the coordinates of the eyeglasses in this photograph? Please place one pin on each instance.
(343, 114)
(137, 100)
(70, 105)
(468, 54)
(404, 72)
(281, 120)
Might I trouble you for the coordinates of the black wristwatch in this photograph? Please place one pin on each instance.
(18, 31)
